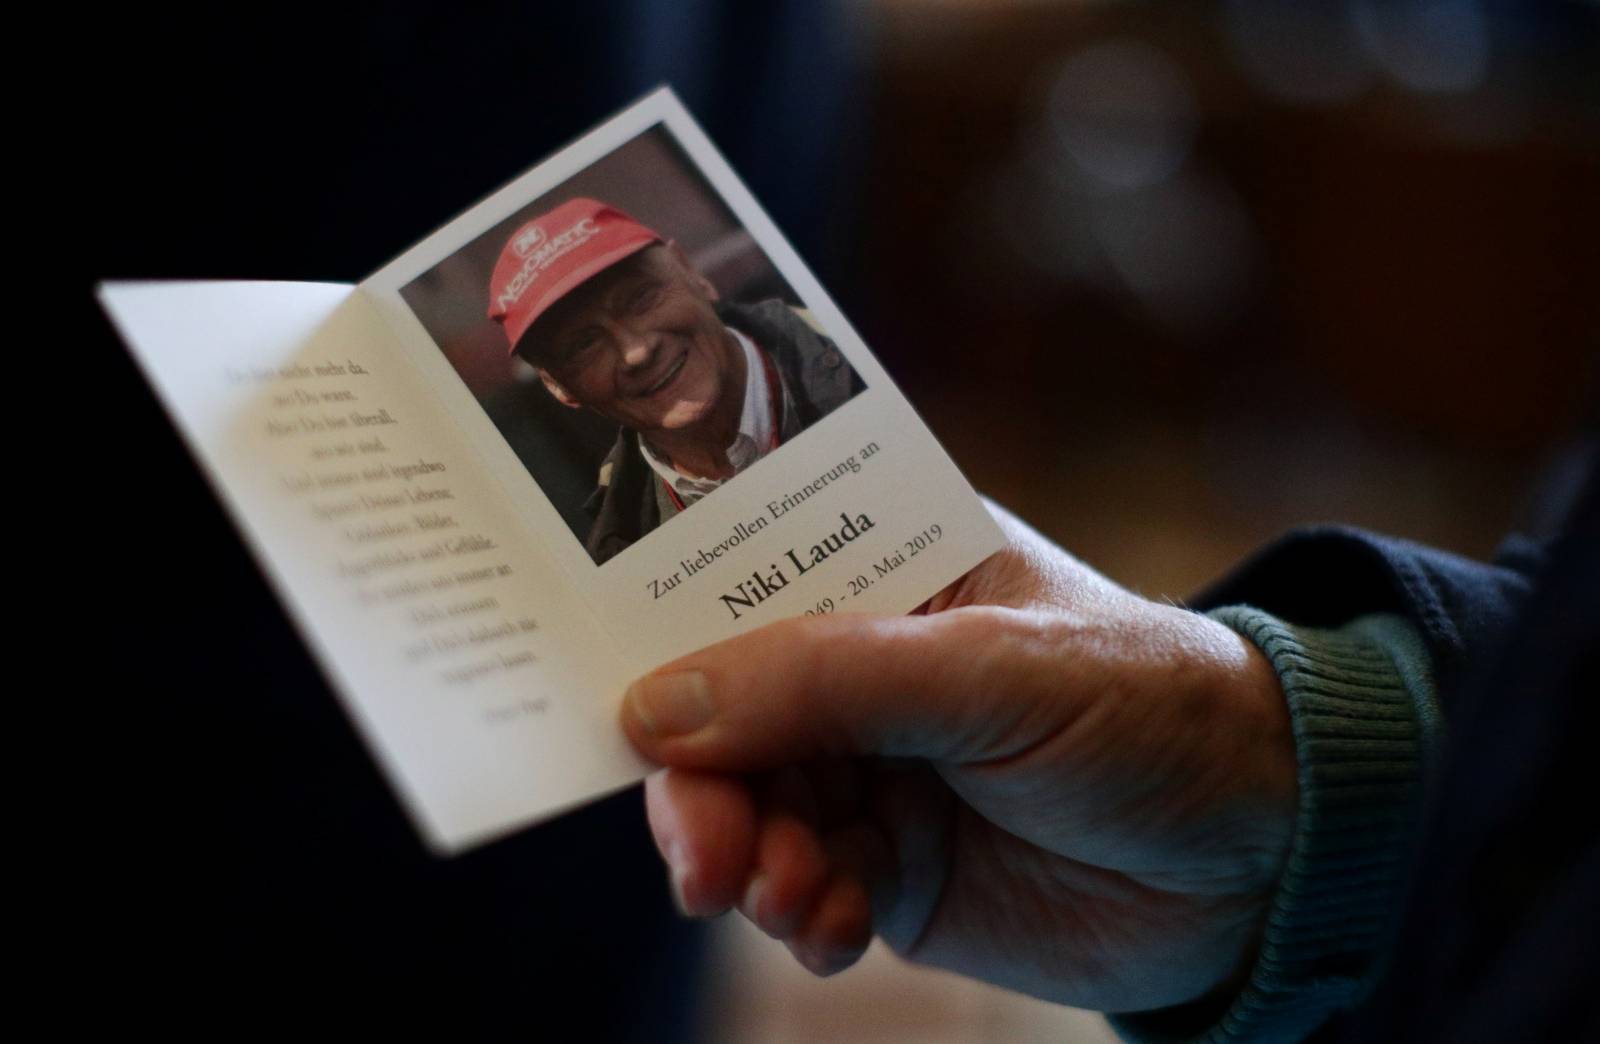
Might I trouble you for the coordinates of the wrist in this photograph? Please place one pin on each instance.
(1358, 741)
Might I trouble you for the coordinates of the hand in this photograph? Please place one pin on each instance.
(1042, 780)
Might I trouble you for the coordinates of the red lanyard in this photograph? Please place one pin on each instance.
(774, 402)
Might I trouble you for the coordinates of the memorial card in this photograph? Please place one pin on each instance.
(600, 420)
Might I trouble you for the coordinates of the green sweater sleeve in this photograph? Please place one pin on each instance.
(1366, 728)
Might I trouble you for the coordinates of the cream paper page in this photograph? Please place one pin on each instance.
(863, 512)
(486, 687)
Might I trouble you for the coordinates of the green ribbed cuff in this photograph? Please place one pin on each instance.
(1362, 702)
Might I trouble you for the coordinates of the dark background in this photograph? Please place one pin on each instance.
(1166, 278)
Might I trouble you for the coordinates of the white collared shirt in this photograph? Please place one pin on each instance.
(756, 427)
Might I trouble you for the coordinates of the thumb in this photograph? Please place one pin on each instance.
(959, 686)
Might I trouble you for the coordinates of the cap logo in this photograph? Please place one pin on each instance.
(528, 241)
(540, 255)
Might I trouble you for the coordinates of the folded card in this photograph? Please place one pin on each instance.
(603, 418)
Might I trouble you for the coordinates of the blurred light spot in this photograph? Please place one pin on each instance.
(1186, 249)
(1307, 52)
(1123, 112)
(1105, 192)
(1433, 46)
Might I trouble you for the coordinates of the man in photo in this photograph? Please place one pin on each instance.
(616, 320)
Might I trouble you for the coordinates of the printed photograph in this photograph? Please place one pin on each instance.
(632, 342)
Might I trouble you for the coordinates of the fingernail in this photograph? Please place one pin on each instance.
(827, 961)
(671, 704)
(677, 874)
(751, 904)
(837, 959)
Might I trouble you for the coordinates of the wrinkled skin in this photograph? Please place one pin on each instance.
(1040, 780)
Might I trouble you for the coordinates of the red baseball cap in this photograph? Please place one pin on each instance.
(553, 254)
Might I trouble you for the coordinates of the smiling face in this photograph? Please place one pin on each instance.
(640, 343)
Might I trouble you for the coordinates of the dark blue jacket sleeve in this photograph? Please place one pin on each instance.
(1328, 575)
(1495, 939)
